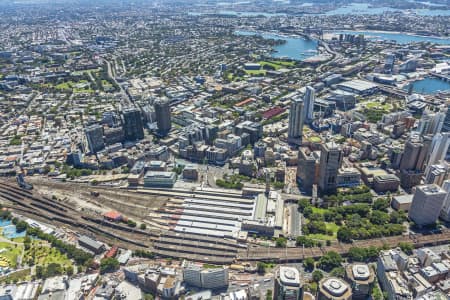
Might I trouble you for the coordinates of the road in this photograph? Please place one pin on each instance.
(126, 98)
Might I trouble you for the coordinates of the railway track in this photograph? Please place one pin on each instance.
(26, 203)
(179, 245)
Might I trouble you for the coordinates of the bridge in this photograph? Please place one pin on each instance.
(443, 77)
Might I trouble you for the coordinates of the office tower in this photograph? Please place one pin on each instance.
(310, 97)
(389, 63)
(446, 125)
(330, 162)
(361, 278)
(437, 173)
(287, 284)
(296, 120)
(431, 122)
(306, 169)
(132, 124)
(426, 204)
(445, 212)
(439, 147)
(94, 138)
(415, 153)
(163, 120)
(334, 288)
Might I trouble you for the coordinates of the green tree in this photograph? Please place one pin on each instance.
(281, 242)
(317, 275)
(69, 271)
(330, 261)
(406, 247)
(308, 263)
(269, 295)
(261, 268)
(108, 265)
(338, 272)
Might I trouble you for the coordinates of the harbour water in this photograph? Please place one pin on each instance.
(401, 38)
(429, 85)
(239, 13)
(365, 9)
(297, 48)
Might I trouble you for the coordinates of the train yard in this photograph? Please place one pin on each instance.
(158, 237)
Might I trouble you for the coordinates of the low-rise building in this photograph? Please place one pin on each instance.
(159, 179)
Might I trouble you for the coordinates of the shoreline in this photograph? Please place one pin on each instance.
(388, 32)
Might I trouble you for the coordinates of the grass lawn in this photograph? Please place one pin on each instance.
(64, 85)
(277, 64)
(322, 237)
(378, 105)
(17, 276)
(325, 237)
(269, 63)
(44, 255)
(255, 72)
(318, 210)
(10, 252)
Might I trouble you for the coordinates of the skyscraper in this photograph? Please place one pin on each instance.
(439, 147)
(330, 162)
(431, 122)
(132, 124)
(94, 138)
(287, 284)
(415, 153)
(163, 120)
(446, 125)
(426, 204)
(306, 169)
(310, 97)
(296, 120)
(445, 212)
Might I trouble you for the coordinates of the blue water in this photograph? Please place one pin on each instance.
(9, 230)
(364, 9)
(4, 223)
(294, 48)
(238, 13)
(401, 38)
(429, 85)
(359, 9)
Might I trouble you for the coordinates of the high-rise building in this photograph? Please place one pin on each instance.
(334, 288)
(310, 97)
(94, 138)
(426, 204)
(163, 119)
(446, 125)
(361, 278)
(287, 284)
(330, 162)
(445, 212)
(439, 147)
(431, 122)
(132, 124)
(296, 120)
(306, 169)
(415, 153)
